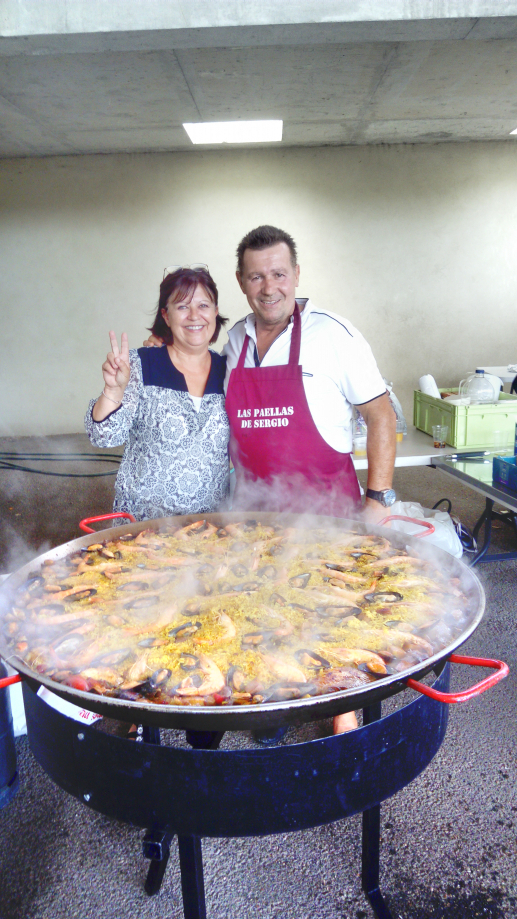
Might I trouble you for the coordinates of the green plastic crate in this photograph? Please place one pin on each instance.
(469, 425)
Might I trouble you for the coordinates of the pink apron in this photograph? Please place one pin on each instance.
(281, 460)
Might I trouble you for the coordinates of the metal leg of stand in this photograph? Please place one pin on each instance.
(156, 847)
(204, 740)
(151, 735)
(192, 883)
(371, 841)
(486, 519)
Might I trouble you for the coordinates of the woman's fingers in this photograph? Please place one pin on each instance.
(114, 343)
(123, 372)
(109, 366)
(124, 348)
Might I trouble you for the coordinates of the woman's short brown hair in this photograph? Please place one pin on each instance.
(180, 285)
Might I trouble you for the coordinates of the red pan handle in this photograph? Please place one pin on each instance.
(83, 524)
(422, 523)
(500, 667)
(8, 680)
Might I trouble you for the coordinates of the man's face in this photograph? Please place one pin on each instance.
(269, 282)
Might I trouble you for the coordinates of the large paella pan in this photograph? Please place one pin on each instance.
(231, 621)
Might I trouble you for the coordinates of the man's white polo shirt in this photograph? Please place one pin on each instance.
(339, 369)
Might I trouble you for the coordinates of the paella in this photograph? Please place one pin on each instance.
(242, 613)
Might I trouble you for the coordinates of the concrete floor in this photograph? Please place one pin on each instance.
(448, 839)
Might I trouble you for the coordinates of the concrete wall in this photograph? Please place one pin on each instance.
(416, 245)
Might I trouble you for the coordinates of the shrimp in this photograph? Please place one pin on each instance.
(213, 681)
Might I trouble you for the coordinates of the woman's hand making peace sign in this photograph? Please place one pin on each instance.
(115, 371)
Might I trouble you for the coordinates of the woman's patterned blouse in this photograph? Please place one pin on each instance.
(176, 459)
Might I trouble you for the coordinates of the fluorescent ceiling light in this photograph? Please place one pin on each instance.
(234, 132)
(514, 132)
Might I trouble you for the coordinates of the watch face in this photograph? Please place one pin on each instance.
(388, 497)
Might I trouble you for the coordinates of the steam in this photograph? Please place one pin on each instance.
(293, 494)
(19, 552)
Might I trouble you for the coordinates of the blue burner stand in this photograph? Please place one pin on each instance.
(193, 793)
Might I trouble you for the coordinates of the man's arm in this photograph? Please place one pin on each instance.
(381, 447)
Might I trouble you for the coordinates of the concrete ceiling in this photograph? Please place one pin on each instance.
(87, 76)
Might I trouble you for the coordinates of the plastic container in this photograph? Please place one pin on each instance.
(505, 471)
(477, 388)
(473, 426)
(359, 435)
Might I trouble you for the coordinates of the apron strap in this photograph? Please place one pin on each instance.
(296, 338)
(244, 351)
(294, 351)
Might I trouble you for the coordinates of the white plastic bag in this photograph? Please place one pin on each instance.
(444, 536)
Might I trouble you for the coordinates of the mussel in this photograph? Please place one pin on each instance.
(364, 668)
(311, 659)
(142, 602)
(189, 662)
(235, 679)
(31, 585)
(380, 596)
(68, 645)
(257, 638)
(156, 681)
(192, 608)
(240, 571)
(277, 598)
(182, 632)
(300, 580)
(133, 585)
(82, 594)
(267, 571)
(151, 642)
(112, 658)
(207, 568)
(284, 692)
(51, 609)
(250, 525)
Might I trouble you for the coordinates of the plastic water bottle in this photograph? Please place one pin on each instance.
(478, 388)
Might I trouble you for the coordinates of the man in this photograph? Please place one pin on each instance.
(293, 374)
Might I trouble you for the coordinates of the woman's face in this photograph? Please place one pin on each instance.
(191, 321)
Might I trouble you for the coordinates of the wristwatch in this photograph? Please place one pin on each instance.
(386, 497)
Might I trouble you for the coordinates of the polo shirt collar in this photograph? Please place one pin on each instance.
(249, 322)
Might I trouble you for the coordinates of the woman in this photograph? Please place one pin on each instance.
(167, 406)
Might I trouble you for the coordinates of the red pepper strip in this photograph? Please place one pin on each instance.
(8, 680)
(422, 523)
(500, 667)
(83, 524)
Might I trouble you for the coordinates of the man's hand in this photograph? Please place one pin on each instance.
(373, 511)
(153, 342)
